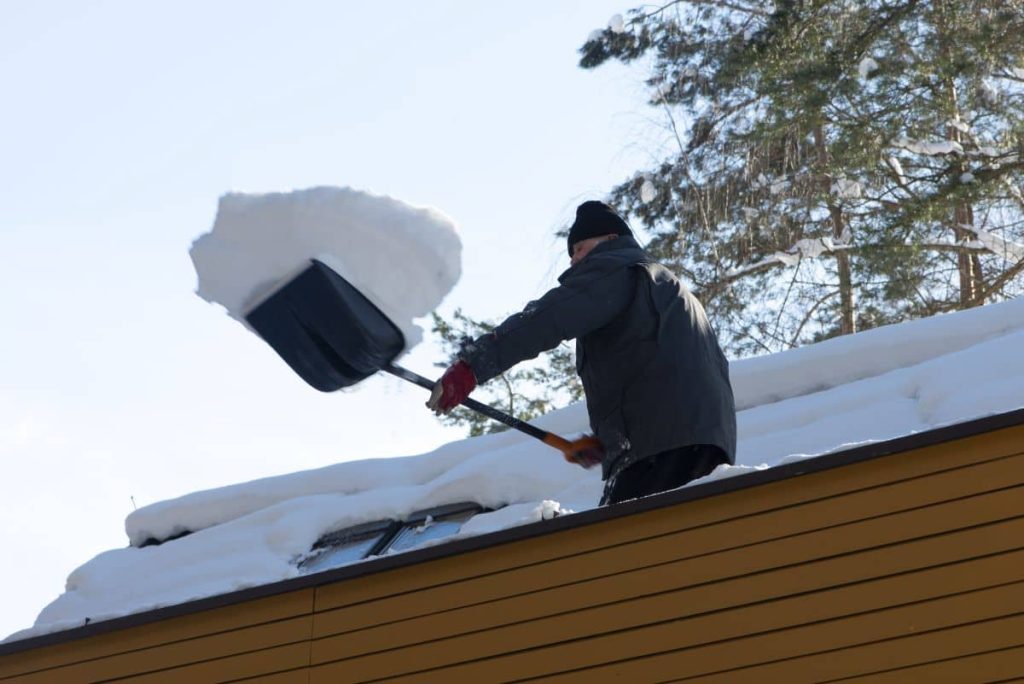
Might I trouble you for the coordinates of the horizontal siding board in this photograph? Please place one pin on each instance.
(789, 492)
(233, 668)
(985, 548)
(953, 646)
(179, 653)
(177, 629)
(290, 677)
(574, 661)
(993, 666)
(665, 617)
(688, 543)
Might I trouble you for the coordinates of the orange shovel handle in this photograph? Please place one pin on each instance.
(570, 450)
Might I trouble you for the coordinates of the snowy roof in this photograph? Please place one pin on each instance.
(874, 386)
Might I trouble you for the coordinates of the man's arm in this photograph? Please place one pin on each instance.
(587, 300)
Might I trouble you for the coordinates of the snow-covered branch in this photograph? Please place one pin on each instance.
(812, 248)
(808, 248)
(929, 148)
(1008, 249)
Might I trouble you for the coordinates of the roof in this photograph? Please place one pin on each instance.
(464, 545)
(851, 397)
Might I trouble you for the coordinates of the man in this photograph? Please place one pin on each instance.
(656, 381)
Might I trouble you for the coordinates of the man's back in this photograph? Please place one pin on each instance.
(655, 376)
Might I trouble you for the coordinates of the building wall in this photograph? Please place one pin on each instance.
(906, 567)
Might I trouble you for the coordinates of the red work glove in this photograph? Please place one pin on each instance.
(452, 389)
(589, 452)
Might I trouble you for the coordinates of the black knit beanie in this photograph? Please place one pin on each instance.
(595, 218)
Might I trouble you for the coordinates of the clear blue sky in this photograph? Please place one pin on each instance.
(124, 121)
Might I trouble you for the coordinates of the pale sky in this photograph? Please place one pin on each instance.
(122, 122)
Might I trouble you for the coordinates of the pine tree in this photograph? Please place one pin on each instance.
(836, 165)
(833, 165)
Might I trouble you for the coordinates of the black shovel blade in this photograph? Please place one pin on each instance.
(326, 330)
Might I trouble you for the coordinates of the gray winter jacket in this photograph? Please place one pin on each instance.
(653, 373)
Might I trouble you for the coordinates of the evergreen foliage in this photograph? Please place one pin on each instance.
(836, 165)
(833, 165)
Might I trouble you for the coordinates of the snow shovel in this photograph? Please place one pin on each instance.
(334, 337)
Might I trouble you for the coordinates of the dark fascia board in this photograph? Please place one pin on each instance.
(672, 498)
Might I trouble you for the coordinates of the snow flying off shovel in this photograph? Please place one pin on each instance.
(333, 337)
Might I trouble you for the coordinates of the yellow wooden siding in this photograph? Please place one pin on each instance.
(907, 542)
(908, 567)
(255, 638)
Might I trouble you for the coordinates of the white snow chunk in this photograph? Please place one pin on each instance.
(616, 24)
(749, 213)
(1016, 72)
(547, 510)
(967, 177)
(846, 189)
(806, 248)
(404, 259)
(866, 66)
(987, 151)
(648, 192)
(960, 125)
(596, 34)
(1008, 249)
(930, 148)
(896, 166)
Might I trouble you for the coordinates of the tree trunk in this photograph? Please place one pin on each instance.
(968, 264)
(848, 322)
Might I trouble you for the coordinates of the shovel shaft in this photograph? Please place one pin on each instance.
(574, 452)
(563, 445)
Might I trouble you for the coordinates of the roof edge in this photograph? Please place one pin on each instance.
(816, 464)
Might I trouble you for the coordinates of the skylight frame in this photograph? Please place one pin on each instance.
(389, 532)
(438, 514)
(335, 542)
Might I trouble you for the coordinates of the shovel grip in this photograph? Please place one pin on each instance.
(570, 450)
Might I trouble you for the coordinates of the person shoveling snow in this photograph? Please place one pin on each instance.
(656, 381)
(316, 274)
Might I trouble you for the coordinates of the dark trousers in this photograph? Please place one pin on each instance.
(661, 472)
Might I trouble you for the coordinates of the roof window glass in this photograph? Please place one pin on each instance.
(432, 524)
(346, 546)
(353, 544)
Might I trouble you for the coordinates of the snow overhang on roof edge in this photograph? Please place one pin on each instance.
(700, 491)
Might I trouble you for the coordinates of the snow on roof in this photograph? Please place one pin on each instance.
(873, 386)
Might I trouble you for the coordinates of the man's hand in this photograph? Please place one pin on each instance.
(452, 389)
(589, 452)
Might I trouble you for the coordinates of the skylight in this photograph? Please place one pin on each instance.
(353, 544)
(348, 546)
(431, 525)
